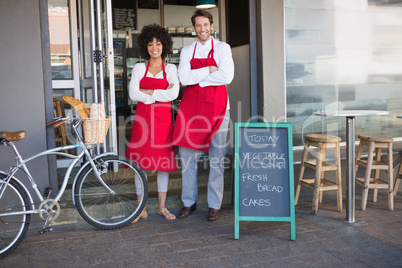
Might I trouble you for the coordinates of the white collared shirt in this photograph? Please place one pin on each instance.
(201, 76)
(161, 95)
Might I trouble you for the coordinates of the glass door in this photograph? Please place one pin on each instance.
(81, 47)
(96, 54)
(64, 63)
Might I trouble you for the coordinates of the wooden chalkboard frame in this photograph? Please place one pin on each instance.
(291, 217)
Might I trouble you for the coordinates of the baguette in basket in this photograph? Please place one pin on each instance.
(95, 122)
(96, 127)
(81, 107)
(97, 111)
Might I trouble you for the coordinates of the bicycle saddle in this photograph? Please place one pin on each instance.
(13, 136)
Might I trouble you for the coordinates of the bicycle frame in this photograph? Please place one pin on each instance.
(21, 165)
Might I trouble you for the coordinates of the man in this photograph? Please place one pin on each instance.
(206, 67)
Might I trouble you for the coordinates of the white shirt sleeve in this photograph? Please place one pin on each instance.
(187, 75)
(223, 58)
(225, 73)
(165, 95)
(134, 87)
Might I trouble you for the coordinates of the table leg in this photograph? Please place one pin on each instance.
(350, 169)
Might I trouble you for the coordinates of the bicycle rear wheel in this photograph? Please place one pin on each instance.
(13, 228)
(103, 209)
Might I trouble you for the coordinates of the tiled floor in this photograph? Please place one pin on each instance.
(322, 240)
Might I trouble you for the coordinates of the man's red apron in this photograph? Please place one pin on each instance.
(150, 145)
(201, 110)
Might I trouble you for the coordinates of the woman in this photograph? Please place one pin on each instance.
(154, 85)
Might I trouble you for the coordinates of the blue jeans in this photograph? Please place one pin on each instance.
(189, 158)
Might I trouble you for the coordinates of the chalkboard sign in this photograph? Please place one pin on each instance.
(124, 14)
(264, 182)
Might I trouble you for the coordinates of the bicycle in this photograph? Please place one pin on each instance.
(103, 190)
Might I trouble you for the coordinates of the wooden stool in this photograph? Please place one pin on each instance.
(319, 184)
(60, 133)
(398, 179)
(375, 143)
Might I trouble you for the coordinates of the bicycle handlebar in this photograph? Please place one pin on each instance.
(56, 125)
(58, 121)
(48, 124)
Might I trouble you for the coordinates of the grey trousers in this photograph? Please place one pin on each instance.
(189, 158)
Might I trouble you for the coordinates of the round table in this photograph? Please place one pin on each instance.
(350, 149)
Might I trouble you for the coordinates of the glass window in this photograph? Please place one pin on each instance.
(343, 55)
(59, 33)
(58, 95)
(60, 92)
(86, 40)
(63, 134)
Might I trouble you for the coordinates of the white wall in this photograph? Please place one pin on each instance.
(22, 94)
(147, 16)
(174, 16)
(181, 15)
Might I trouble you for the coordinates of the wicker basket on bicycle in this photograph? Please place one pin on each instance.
(95, 123)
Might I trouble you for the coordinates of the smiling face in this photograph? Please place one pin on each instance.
(203, 28)
(155, 48)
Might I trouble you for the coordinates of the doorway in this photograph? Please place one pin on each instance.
(81, 47)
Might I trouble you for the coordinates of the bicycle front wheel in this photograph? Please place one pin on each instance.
(13, 228)
(111, 210)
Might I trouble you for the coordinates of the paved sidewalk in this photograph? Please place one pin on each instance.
(323, 240)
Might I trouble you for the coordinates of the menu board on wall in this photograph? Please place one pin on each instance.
(264, 182)
(124, 18)
(124, 14)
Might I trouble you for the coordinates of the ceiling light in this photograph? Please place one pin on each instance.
(202, 4)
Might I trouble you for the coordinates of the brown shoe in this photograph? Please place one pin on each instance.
(213, 214)
(185, 211)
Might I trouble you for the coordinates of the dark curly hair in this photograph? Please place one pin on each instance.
(147, 35)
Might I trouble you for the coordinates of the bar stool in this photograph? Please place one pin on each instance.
(398, 179)
(375, 143)
(319, 184)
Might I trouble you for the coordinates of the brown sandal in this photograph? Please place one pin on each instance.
(143, 215)
(165, 213)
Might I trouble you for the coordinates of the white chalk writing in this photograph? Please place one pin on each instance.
(263, 160)
(256, 202)
(254, 177)
(269, 188)
(267, 140)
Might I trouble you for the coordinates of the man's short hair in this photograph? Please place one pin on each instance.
(201, 13)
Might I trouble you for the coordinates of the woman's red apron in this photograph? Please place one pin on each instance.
(150, 145)
(201, 110)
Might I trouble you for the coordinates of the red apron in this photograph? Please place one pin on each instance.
(201, 110)
(150, 145)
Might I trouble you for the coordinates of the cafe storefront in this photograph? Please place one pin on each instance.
(299, 57)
